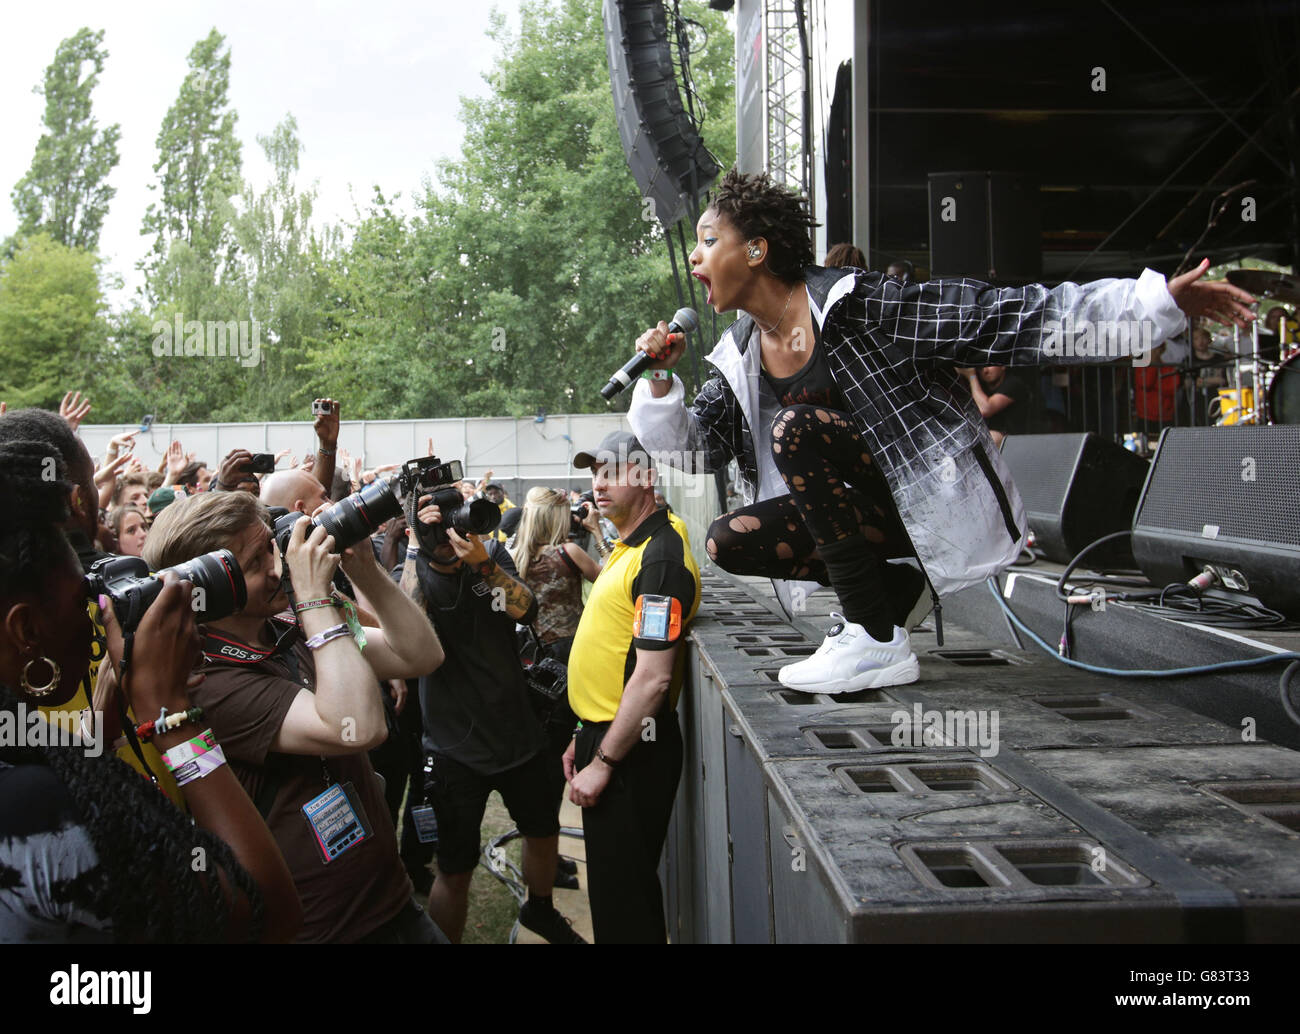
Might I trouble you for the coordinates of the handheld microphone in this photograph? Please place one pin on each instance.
(684, 322)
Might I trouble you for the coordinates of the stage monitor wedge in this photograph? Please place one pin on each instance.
(665, 153)
(1226, 498)
(1076, 488)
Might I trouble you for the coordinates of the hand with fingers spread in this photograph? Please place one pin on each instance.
(1216, 299)
(74, 408)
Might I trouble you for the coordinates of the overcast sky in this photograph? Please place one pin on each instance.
(375, 88)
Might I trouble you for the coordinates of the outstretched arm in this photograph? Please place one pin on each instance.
(970, 323)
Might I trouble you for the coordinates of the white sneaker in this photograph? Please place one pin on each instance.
(849, 659)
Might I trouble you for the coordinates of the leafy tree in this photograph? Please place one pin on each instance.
(528, 273)
(51, 321)
(198, 174)
(65, 193)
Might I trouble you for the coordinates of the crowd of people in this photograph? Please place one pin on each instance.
(361, 689)
(239, 771)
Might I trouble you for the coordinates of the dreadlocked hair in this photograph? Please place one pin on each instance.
(145, 883)
(758, 207)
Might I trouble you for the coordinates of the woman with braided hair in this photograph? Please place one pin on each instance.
(89, 850)
(857, 442)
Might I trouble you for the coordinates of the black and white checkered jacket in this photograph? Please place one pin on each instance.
(892, 350)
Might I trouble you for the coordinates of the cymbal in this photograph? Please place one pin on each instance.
(1264, 283)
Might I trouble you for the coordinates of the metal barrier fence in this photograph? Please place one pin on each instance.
(520, 453)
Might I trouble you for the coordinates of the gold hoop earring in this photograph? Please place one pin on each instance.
(39, 691)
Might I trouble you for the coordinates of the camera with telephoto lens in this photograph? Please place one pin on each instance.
(218, 592)
(361, 514)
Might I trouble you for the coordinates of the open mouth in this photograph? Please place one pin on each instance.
(707, 286)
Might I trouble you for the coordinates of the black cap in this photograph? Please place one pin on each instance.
(619, 447)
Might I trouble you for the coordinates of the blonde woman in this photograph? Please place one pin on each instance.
(553, 567)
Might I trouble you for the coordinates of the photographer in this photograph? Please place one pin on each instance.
(480, 731)
(90, 851)
(297, 717)
(55, 435)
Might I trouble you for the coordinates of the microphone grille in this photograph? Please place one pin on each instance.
(687, 320)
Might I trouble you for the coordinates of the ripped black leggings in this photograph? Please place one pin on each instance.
(836, 493)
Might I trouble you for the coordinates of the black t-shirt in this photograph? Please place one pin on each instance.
(812, 384)
(1016, 417)
(476, 707)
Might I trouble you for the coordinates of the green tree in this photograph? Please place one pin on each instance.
(65, 193)
(532, 267)
(52, 326)
(198, 171)
(284, 263)
(375, 339)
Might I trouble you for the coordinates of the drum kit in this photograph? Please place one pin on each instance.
(1268, 377)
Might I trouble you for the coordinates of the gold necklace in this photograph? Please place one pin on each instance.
(783, 312)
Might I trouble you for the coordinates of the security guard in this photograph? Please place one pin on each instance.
(625, 674)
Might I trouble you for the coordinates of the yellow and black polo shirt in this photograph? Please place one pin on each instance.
(654, 560)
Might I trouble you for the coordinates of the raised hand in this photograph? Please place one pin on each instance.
(327, 425)
(123, 442)
(74, 408)
(236, 469)
(175, 459)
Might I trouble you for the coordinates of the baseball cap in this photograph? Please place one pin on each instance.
(619, 447)
(160, 500)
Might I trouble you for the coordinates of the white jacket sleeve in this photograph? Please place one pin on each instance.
(665, 426)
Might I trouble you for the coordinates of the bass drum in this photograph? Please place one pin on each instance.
(1283, 398)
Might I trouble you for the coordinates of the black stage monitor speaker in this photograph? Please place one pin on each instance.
(1227, 498)
(1077, 488)
(985, 225)
(668, 159)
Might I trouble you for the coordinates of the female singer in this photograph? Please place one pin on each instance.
(857, 442)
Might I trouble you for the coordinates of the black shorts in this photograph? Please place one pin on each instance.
(459, 797)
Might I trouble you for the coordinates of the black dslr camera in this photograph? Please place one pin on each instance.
(578, 513)
(361, 514)
(219, 589)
